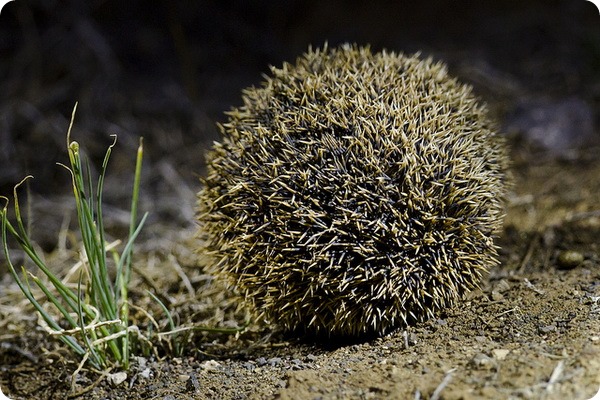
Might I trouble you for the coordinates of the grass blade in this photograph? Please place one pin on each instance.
(176, 350)
(124, 273)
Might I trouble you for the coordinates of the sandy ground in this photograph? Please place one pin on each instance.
(532, 331)
(168, 73)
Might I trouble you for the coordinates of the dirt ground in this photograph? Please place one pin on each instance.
(531, 332)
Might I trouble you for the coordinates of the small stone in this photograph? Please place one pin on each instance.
(192, 385)
(210, 365)
(483, 361)
(146, 373)
(556, 125)
(502, 286)
(260, 361)
(274, 361)
(497, 296)
(547, 328)
(117, 378)
(183, 377)
(569, 259)
(142, 361)
(500, 354)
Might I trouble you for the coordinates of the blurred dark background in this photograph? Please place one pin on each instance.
(167, 71)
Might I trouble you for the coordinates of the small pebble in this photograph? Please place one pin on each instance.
(274, 361)
(483, 361)
(261, 361)
(192, 384)
(497, 296)
(569, 259)
(146, 373)
(117, 378)
(210, 365)
(547, 328)
(142, 361)
(500, 354)
(502, 286)
(481, 339)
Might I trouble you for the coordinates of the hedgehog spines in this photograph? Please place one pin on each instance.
(354, 192)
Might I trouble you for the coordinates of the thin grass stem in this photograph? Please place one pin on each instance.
(176, 350)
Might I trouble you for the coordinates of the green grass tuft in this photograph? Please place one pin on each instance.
(97, 312)
(93, 318)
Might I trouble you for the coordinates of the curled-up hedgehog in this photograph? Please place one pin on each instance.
(354, 193)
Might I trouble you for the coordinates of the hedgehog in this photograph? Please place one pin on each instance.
(353, 193)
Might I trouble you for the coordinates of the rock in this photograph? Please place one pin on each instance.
(117, 378)
(556, 125)
(569, 259)
(500, 354)
(547, 328)
(261, 361)
(481, 360)
(146, 373)
(210, 365)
